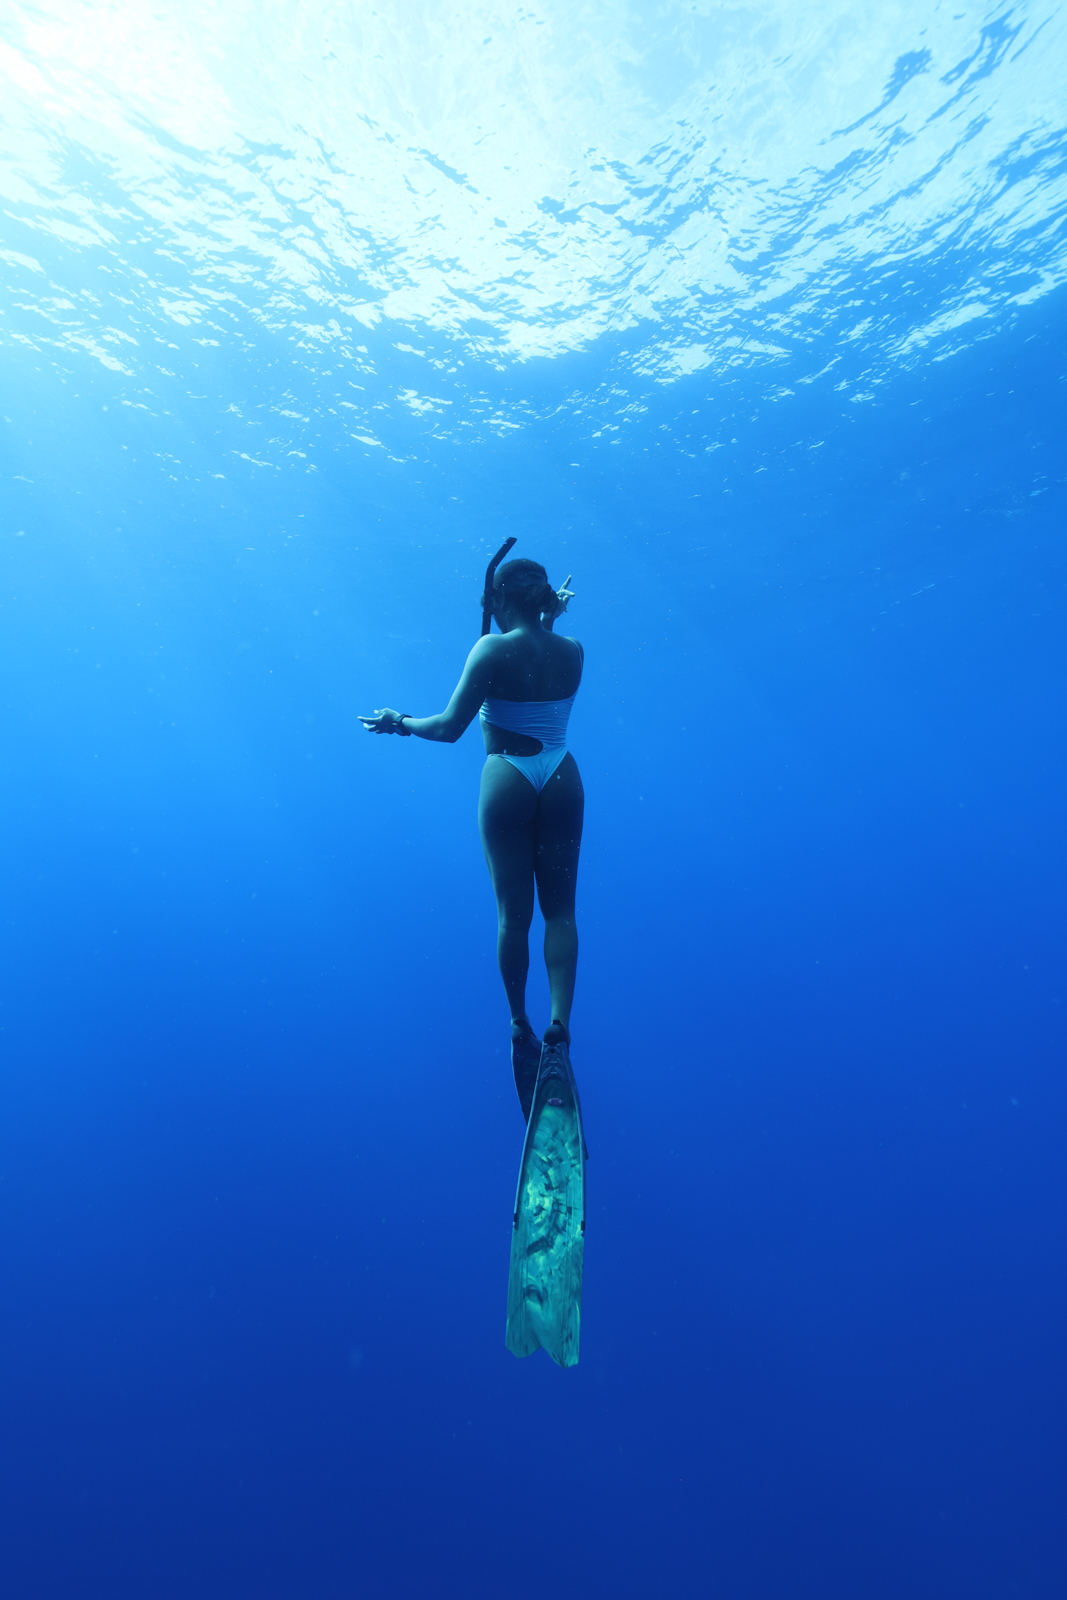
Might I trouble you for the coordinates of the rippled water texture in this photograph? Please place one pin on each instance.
(794, 185)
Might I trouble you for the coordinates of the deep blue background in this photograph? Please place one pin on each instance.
(258, 1139)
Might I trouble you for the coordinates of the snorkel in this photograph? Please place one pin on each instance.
(490, 575)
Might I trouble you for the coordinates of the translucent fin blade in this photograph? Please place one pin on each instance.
(548, 1238)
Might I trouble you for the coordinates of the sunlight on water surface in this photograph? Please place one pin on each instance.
(705, 186)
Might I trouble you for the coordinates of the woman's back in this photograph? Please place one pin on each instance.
(529, 663)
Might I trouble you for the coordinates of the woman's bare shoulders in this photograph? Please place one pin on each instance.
(529, 668)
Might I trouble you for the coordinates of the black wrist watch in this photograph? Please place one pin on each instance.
(405, 733)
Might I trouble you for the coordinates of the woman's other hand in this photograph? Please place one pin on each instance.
(384, 721)
(564, 596)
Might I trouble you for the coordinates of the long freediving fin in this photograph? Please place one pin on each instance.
(548, 1230)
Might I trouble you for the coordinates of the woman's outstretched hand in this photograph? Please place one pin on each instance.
(384, 721)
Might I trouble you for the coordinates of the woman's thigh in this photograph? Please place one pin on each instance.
(507, 805)
(557, 833)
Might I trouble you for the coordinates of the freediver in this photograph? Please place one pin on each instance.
(523, 681)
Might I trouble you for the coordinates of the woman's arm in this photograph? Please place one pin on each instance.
(461, 710)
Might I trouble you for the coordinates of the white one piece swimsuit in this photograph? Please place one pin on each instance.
(537, 719)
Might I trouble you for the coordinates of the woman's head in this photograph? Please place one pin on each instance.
(523, 586)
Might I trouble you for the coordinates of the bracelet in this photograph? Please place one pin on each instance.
(405, 733)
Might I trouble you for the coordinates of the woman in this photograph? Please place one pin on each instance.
(531, 806)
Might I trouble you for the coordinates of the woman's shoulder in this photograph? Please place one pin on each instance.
(568, 662)
(568, 638)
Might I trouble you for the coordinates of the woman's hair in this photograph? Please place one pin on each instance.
(525, 583)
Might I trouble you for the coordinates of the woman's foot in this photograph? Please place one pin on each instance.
(557, 1033)
(525, 1060)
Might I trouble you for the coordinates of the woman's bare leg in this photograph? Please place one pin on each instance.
(506, 808)
(557, 834)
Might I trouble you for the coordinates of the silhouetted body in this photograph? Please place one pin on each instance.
(531, 805)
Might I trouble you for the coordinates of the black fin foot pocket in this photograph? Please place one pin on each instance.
(525, 1061)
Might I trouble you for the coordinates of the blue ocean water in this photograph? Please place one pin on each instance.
(752, 318)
